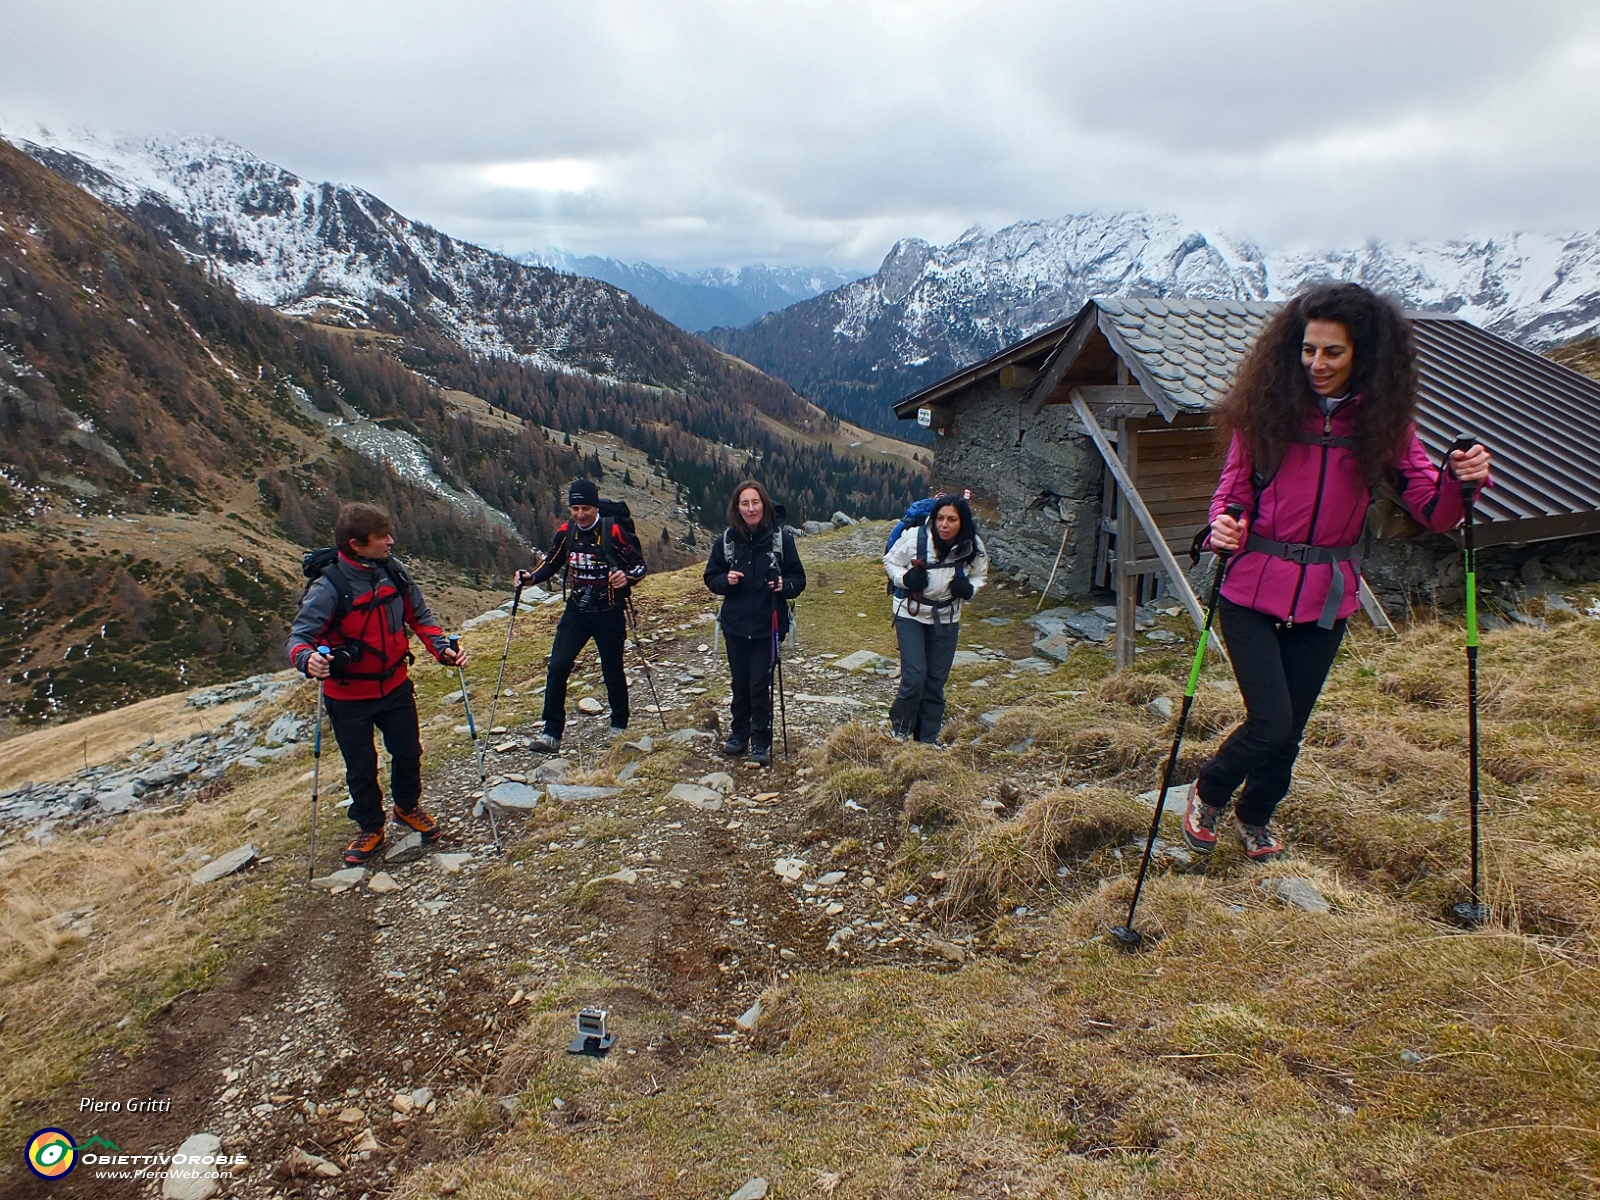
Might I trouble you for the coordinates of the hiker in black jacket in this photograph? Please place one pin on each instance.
(755, 567)
(602, 564)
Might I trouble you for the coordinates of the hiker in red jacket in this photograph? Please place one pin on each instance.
(1319, 414)
(360, 607)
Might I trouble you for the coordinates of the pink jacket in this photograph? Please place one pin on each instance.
(1319, 497)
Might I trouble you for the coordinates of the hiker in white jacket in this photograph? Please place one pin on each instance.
(932, 568)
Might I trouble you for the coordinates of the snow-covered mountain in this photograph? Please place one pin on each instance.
(308, 248)
(699, 300)
(930, 310)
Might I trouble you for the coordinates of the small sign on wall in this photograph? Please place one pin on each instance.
(925, 417)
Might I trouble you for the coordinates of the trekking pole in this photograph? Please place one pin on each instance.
(777, 667)
(1473, 912)
(1126, 935)
(649, 679)
(316, 774)
(516, 599)
(472, 730)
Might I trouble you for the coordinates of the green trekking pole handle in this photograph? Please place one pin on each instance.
(1473, 911)
(1125, 933)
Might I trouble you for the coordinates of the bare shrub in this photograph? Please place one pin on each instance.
(1134, 688)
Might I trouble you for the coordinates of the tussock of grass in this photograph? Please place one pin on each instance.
(1009, 858)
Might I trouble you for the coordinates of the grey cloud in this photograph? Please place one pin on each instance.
(726, 131)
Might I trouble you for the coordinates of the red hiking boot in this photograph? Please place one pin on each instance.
(1200, 822)
(415, 818)
(1260, 843)
(363, 848)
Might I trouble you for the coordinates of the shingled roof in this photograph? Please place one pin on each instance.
(1185, 350)
(1541, 420)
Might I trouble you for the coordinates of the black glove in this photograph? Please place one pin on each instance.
(961, 588)
(915, 579)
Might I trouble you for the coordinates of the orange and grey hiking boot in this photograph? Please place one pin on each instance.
(415, 818)
(1260, 844)
(363, 848)
(1200, 822)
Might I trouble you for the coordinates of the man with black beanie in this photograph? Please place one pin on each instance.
(602, 564)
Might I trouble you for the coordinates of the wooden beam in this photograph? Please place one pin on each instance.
(1101, 395)
(1063, 356)
(1375, 612)
(1136, 502)
(1016, 378)
(1127, 602)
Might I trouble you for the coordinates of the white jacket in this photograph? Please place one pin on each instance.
(937, 605)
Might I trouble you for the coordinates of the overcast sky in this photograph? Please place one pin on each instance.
(717, 132)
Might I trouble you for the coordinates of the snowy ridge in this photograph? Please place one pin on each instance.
(930, 310)
(998, 287)
(323, 248)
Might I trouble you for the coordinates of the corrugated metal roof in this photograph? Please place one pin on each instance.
(1539, 419)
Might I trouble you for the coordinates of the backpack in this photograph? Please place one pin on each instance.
(323, 563)
(615, 512)
(916, 515)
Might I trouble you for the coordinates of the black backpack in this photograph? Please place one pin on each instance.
(323, 564)
(615, 512)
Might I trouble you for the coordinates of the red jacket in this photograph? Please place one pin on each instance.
(1319, 497)
(374, 626)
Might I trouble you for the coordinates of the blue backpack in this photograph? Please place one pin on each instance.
(916, 515)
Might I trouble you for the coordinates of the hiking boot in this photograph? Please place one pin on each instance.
(735, 746)
(1200, 822)
(363, 848)
(1260, 844)
(415, 818)
(547, 742)
(761, 754)
(618, 730)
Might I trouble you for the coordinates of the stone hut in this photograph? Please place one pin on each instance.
(1042, 431)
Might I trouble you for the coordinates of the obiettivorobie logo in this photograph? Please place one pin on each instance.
(52, 1153)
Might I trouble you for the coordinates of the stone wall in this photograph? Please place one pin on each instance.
(1030, 476)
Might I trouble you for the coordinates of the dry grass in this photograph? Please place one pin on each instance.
(72, 983)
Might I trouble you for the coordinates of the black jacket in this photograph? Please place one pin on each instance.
(747, 607)
(581, 553)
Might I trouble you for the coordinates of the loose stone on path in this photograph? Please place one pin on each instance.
(234, 860)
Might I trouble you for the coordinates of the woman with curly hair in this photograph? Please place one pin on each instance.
(1319, 414)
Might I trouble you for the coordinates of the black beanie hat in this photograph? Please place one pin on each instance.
(583, 491)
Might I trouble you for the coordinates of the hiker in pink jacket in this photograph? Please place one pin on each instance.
(1319, 415)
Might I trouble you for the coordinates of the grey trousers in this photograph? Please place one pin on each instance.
(926, 653)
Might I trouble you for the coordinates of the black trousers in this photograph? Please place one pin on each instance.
(353, 722)
(926, 655)
(750, 664)
(1280, 671)
(609, 630)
